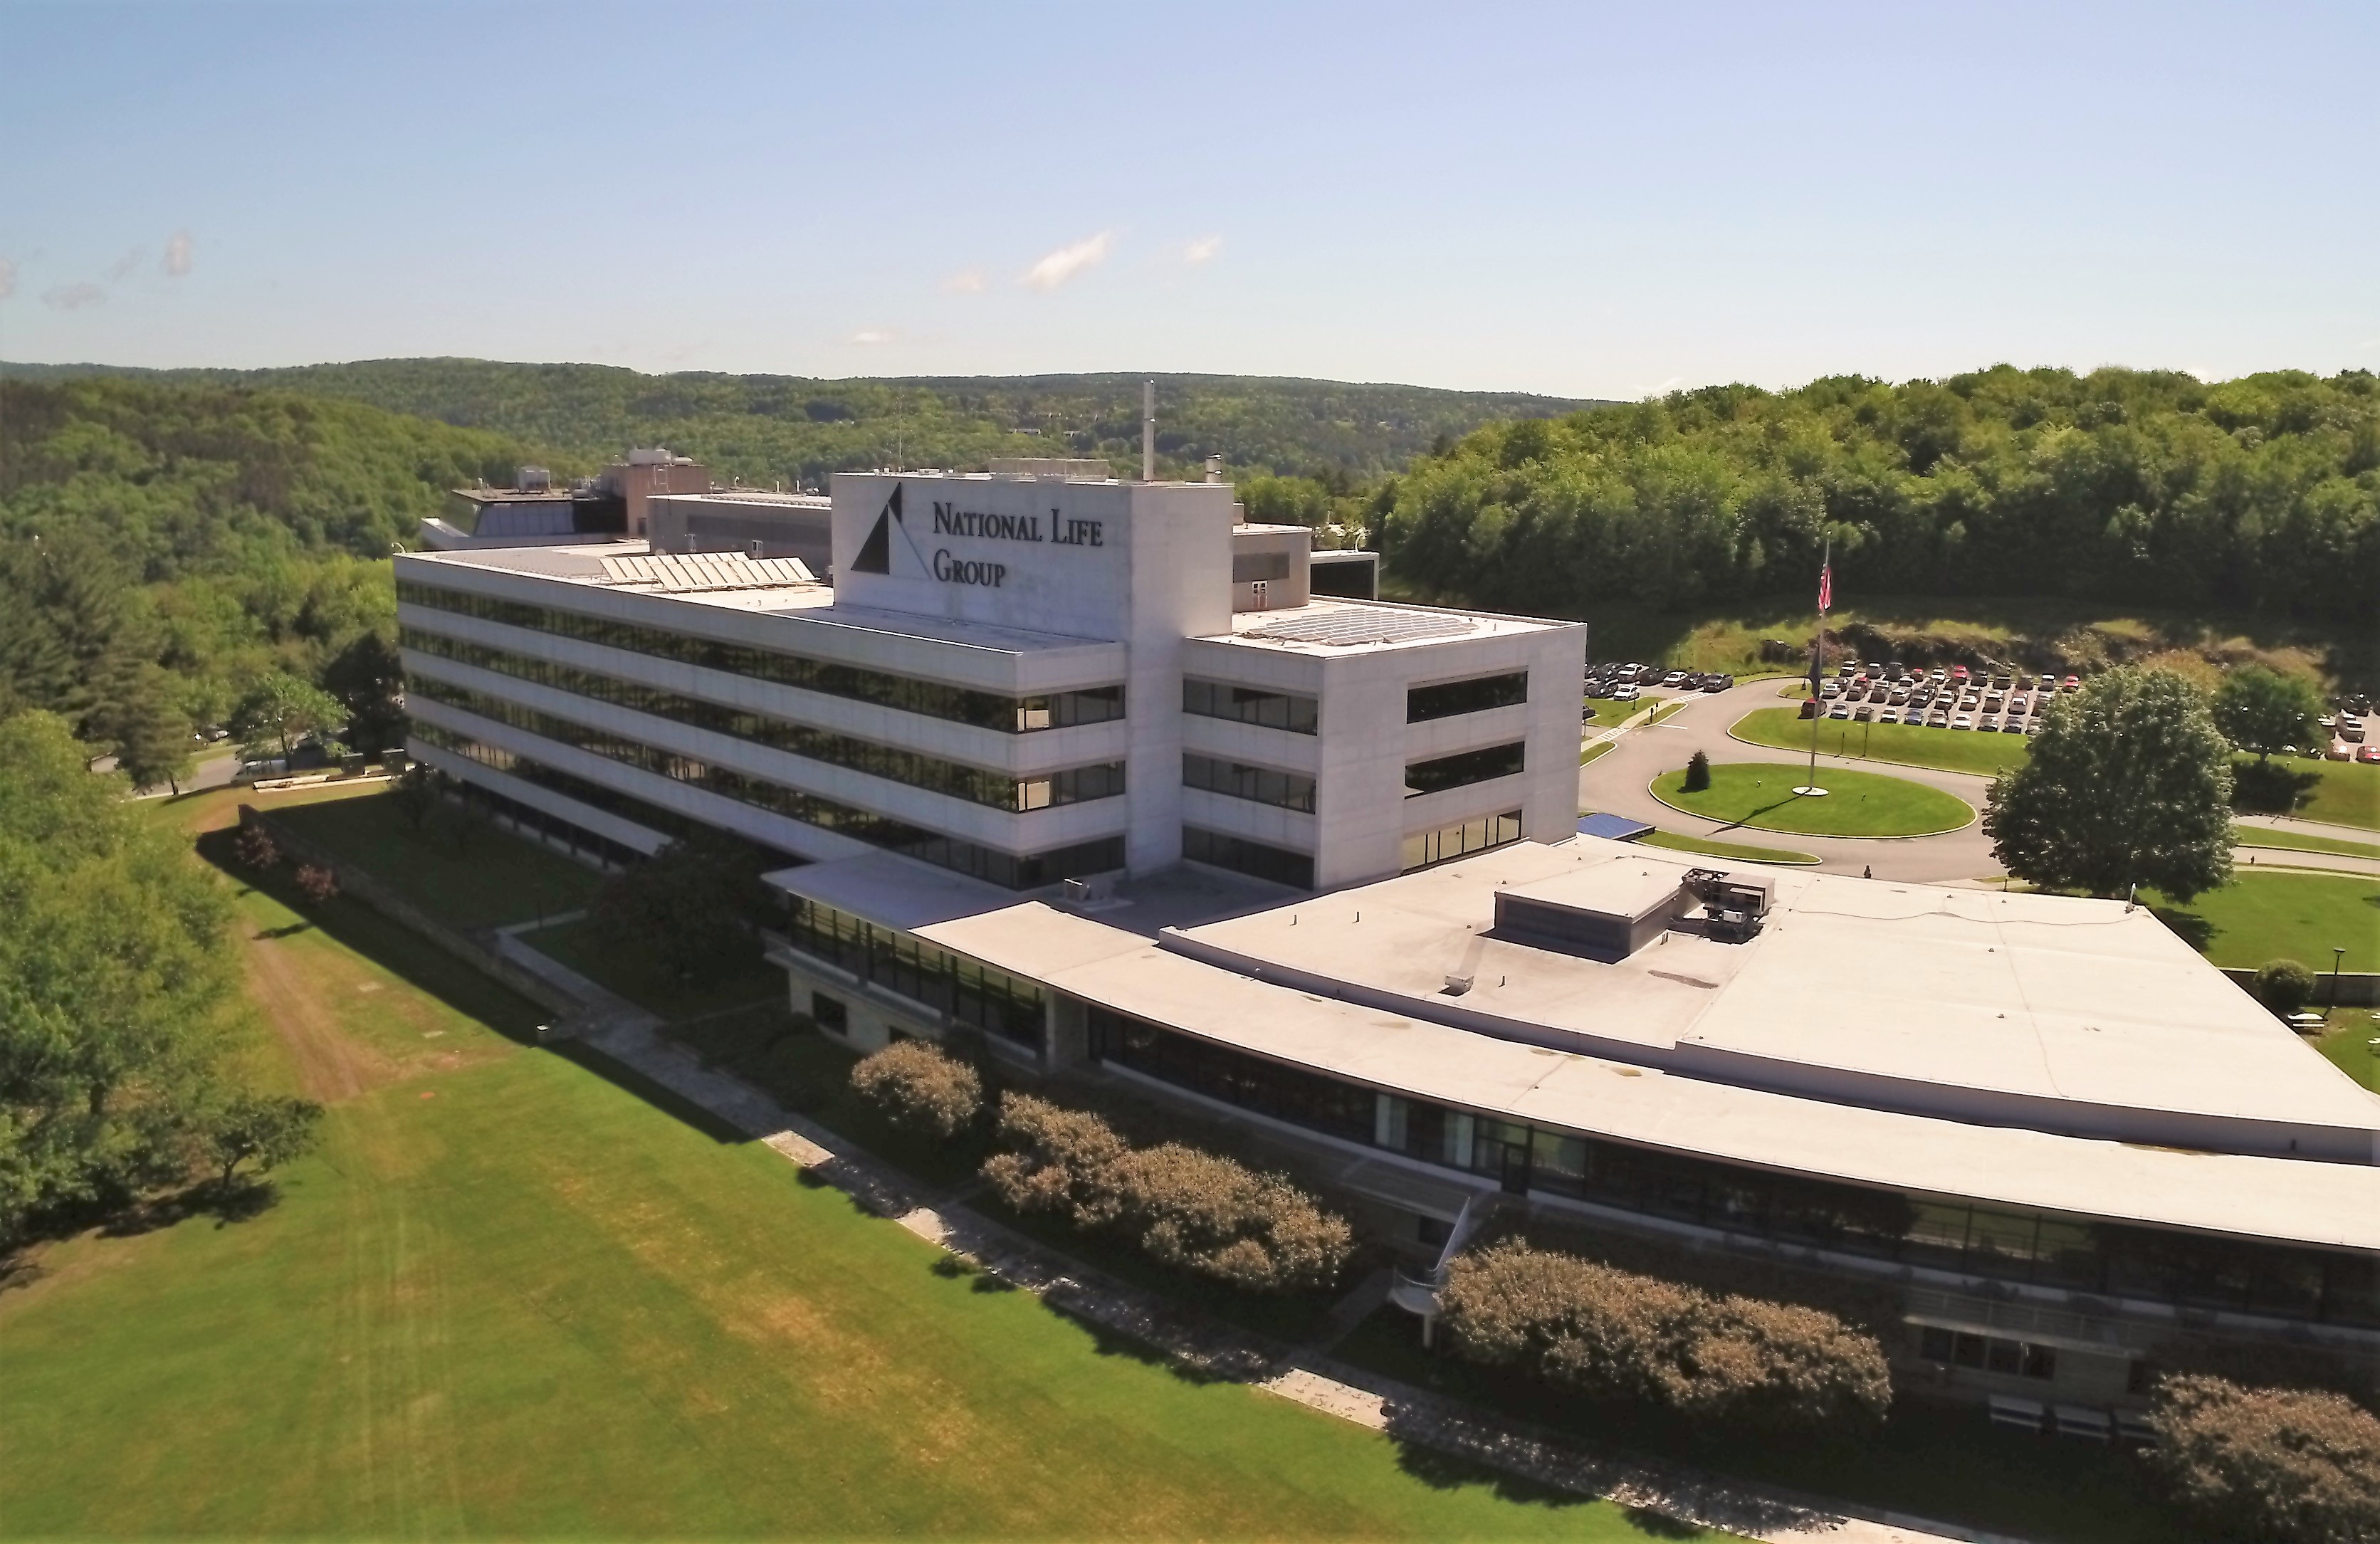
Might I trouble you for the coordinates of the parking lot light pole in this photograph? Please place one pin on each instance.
(2338, 955)
(1810, 789)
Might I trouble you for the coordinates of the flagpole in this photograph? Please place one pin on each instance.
(1818, 665)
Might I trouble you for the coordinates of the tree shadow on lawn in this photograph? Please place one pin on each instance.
(246, 1199)
(2188, 926)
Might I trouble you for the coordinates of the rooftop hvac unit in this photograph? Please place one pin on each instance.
(1089, 891)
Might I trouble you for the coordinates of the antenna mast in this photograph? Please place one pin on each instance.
(1148, 431)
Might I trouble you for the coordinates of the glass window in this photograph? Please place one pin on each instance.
(975, 784)
(1242, 855)
(1011, 871)
(1426, 847)
(1452, 699)
(1269, 709)
(829, 1013)
(1284, 790)
(1463, 768)
(1012, 715)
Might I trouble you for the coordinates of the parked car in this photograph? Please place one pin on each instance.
(2071, 683)
(2328, 721)
(2368, 753)
(1987, 724)
(1862, 714)
(2020, 703)
(2048, 682)
(1941, 675)
(1628, 693)
(1841, 710)
(1962, 721)
(1809, 707)
(1675, 678)
(2035, 727)
(1940, 718)
(1958, 675)
(1830, 688)
(1722, 682)
(1888, 715)
(2340, 751)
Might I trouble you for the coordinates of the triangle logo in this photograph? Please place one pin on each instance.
(876, 553)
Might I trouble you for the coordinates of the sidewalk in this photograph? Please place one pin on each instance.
(1200, 1345)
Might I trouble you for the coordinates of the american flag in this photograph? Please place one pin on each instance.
(1826, 586)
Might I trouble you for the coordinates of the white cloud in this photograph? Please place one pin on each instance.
(1065, 262)
(73, 297)
(7, 278)
(868, 338)
(1202, 250)
(179, 247)
(967, 281)
(125, 266)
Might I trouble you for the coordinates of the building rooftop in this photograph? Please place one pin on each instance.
(1328, 628)
(2050, 1011)
(1105, 955)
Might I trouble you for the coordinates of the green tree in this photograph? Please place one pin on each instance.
(2129, 784)
(267, 1130)
(2284, 986)
(368, 677)
(280, 709)
(115, 984)
(2262, 710)
(1698, 772)
(691, 905)
(151, 731)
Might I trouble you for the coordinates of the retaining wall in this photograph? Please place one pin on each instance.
(2356, 988)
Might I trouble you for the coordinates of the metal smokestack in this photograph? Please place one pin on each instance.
(1148, 431)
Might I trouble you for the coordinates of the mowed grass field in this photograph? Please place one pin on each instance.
(1963, 750)
(1759, 795)
(515, 1295)
(2299, 916)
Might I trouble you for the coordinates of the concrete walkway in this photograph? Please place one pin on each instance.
(1204, 1347)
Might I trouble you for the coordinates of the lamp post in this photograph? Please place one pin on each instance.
(2338, 954)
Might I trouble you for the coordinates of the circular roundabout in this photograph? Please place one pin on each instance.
(1759, 795)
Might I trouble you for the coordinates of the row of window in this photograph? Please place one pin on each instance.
(1267, 709)
(1426, 847)
(998, 790)
(1452, 698)
(1011, 715)
(1987, 1352)
(652, 817)
(1463, 768)
(1260, 859)
(1010, 870)
(1283, 790)
(2045, 1250)
(967, 990)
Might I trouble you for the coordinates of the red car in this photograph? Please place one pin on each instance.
(1958, 673)
(2368, 753)
(2071, 683)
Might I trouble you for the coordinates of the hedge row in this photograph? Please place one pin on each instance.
(1614, 1334)
(1189, 1208)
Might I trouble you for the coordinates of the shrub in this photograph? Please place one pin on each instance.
(1614, 1334)
(1698, 772)
(1221, 1219)
(1061, 1161)
(256, 848)
(317, 883)
(920, 1090)
(2286, 1464)
(1193, 1210)
(2284, 986)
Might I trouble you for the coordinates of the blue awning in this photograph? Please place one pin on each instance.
(1612, 828)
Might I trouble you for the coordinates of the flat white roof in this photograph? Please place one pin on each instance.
(1370, 626)
(2045, 998)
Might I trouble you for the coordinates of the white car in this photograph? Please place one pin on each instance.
(1962, 721)
(1626, 694)
(1888, 715)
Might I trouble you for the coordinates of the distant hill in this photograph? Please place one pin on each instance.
(771, 428)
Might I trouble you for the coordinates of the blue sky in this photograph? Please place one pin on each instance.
(1580, 200)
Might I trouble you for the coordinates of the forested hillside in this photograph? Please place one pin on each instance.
(770, 428)
(2141, 487)
(164, 548)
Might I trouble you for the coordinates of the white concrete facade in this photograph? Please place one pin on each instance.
(1022, 587)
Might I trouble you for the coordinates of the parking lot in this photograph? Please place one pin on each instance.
(1949, 696)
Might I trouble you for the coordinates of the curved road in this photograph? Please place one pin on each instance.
(1615, 782)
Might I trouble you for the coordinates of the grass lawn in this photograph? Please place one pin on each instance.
(2347, 793)
(1677, 843)
(1591, 752)
(2348, 1044)
(1760, 794)
(2298, 916)
(1948, 1463)
(493, 879)
(1912, 744)
(2254, 836)
(1602, 712)
(747, 981)
(514, 1295)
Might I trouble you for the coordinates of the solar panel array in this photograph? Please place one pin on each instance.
(683, 572)
(1344, 625)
